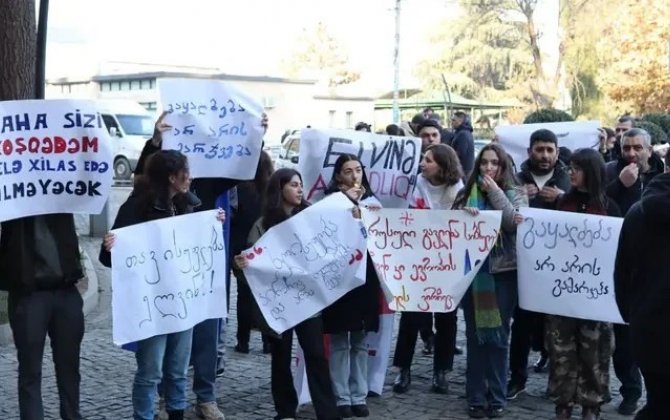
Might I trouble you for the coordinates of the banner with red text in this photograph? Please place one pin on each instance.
(391, 163)
(56, 158)
(427, 259)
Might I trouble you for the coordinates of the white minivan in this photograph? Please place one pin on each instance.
(130, 125)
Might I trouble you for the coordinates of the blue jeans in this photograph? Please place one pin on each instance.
(161, 357)
(204, 359)
(349, 367)
(487, 364)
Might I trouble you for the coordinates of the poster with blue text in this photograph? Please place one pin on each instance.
(56, 158)
(215, 124)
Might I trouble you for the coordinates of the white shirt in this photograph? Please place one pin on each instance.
(437, 197)
(540, 180)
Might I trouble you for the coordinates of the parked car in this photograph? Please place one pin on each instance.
(129, 126)
(289, 152)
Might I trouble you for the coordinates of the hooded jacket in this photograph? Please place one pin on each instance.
(642, 275)
(464, 145)
(624, 196)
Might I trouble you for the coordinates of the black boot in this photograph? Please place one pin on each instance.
(402, 381)
(176, 415)
(440, 384)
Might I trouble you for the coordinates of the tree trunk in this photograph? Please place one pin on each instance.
(17, 49)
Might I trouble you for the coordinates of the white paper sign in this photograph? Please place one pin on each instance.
(566, 264)
(427, 259)
(56, 158)
(573, 135)
(215, 124)
(391, 163)
(167, 276)
(304, 264)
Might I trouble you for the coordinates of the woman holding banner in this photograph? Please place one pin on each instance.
(576, 345)
(436, 188)
(489, 303)
(350, 318)
(283, 199)
(160, 193)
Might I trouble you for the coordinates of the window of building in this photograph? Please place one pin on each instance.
(348, 122)
(152, 83)
(331, 118)
(145, 84)
(134, 85)
(150, 106)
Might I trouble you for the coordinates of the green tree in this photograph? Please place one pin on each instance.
(319, 52)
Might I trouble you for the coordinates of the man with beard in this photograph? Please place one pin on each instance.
(627, 179)
(545, 178)
(462, 141)
(642, 289)
(624, 124)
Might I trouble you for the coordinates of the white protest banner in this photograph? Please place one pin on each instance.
(167, 276)
(427, 259)
(56, 158)
(391, 163)
(213, 123)
(566, 264)
(573, 135)
(307, 262)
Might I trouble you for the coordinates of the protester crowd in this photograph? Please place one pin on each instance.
(39, 265)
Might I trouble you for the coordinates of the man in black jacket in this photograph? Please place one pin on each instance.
(545, 178)
(642, 290)
(627, 179)
(462, 141)
(40, 266)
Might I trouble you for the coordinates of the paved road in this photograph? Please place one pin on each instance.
(244, 390)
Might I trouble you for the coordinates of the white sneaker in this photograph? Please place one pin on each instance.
(209, 411)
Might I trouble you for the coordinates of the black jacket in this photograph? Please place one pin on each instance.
(626, 197)
(243, 216)
(17, 254)
(130, 214)
(560, 179)
(207, 190)
(464, 145)
(642, 275)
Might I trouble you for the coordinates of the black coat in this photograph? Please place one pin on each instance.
(626, 197)
(358, 310)
(130, 214)
(642, 276)
(560, 179)
(464, 144)
(17, 254)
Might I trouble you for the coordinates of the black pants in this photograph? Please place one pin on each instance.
(310, 337)
(657, 396)
(527, 334)
(244, 313)
(33, 316)
(445, 338)
(625, 367)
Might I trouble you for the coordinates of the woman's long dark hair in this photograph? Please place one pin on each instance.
(592, 165)
(264, 171)
(153, 188)
(333, 185)
(273, 211)
(507, 179)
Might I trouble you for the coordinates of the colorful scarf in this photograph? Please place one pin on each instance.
(488, 323)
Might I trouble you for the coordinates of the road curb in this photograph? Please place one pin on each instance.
(90, 297)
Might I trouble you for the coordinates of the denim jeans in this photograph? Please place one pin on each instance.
(349, 367)
(487, 364)
(161, 357)
(204, 357)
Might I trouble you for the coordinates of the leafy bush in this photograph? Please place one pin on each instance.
(660, 119)
(657, 134)
(547, 115)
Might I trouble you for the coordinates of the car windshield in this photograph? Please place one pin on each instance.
(136, 125)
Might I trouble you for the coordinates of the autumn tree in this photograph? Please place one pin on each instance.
(17, 49)
(633, 51)
(319, 52)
